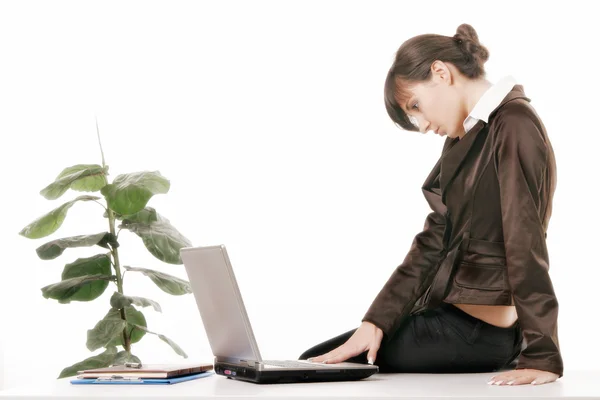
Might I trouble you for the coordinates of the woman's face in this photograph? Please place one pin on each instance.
(436, 105)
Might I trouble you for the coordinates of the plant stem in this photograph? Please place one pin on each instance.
(115, 252)
(102, 205)
(100, 143)
(117, 265)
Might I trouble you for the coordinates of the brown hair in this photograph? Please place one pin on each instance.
(413, 60)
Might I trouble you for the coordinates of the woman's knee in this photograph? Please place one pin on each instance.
(308, 354)
(327, 346)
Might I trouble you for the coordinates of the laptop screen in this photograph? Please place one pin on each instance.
(220, 303)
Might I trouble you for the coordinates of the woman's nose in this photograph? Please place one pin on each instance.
(420, 123)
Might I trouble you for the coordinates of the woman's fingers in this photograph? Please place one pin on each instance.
(372, 354)
(337, 358)
(341, 354)
(325, 356)
(367, 337)
(334, 356)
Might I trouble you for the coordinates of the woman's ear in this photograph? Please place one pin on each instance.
(441, 73)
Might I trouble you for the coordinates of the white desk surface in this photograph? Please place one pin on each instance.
(574, 385)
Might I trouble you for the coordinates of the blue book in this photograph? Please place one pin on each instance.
(125, 380)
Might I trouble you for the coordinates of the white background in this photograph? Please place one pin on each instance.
(268, 120)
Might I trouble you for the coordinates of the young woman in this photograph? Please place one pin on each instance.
(473, 293)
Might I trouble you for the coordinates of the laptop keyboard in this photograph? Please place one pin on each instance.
(295, 364)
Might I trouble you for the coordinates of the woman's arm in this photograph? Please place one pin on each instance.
(522, 157)
(410, 279)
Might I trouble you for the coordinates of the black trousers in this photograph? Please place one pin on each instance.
(441, 340)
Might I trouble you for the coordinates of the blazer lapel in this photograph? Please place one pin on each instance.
(455, 156)
(432, 180)
(431, 187)
(431, 190)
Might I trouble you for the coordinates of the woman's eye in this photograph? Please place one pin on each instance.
(415, 105)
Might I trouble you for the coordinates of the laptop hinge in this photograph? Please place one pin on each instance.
(249, 363)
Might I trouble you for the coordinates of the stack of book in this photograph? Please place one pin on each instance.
(132, 373)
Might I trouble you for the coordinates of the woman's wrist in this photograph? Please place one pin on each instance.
(372, 326)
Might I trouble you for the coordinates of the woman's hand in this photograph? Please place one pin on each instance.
(523, 377)
(366, 337)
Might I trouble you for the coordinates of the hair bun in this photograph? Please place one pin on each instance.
(466, 31)
(467, 39)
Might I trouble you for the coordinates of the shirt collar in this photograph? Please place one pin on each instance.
(489, 101)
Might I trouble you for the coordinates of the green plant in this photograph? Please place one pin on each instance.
(85, 279)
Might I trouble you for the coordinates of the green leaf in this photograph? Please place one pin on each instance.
(165, 339)
(123, 357)
(129, 193)
(49, 223)
(81, 177)
(168, 283)
(173, 345)
(92, 182)
(104, 359)
(95, 265)
(119, 301)
(55, 248)
(134, 318)
(104, 332)
(62, 291)
(146, 215)
(161, 239)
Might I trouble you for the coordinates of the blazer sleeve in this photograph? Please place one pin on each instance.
(522, 156)
(410, 279)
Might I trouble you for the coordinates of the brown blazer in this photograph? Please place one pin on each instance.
(485, 240)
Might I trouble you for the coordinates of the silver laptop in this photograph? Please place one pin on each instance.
(230, 334)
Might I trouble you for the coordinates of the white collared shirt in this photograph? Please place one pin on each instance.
(489, 101)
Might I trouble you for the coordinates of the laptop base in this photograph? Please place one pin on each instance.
(253, 375)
